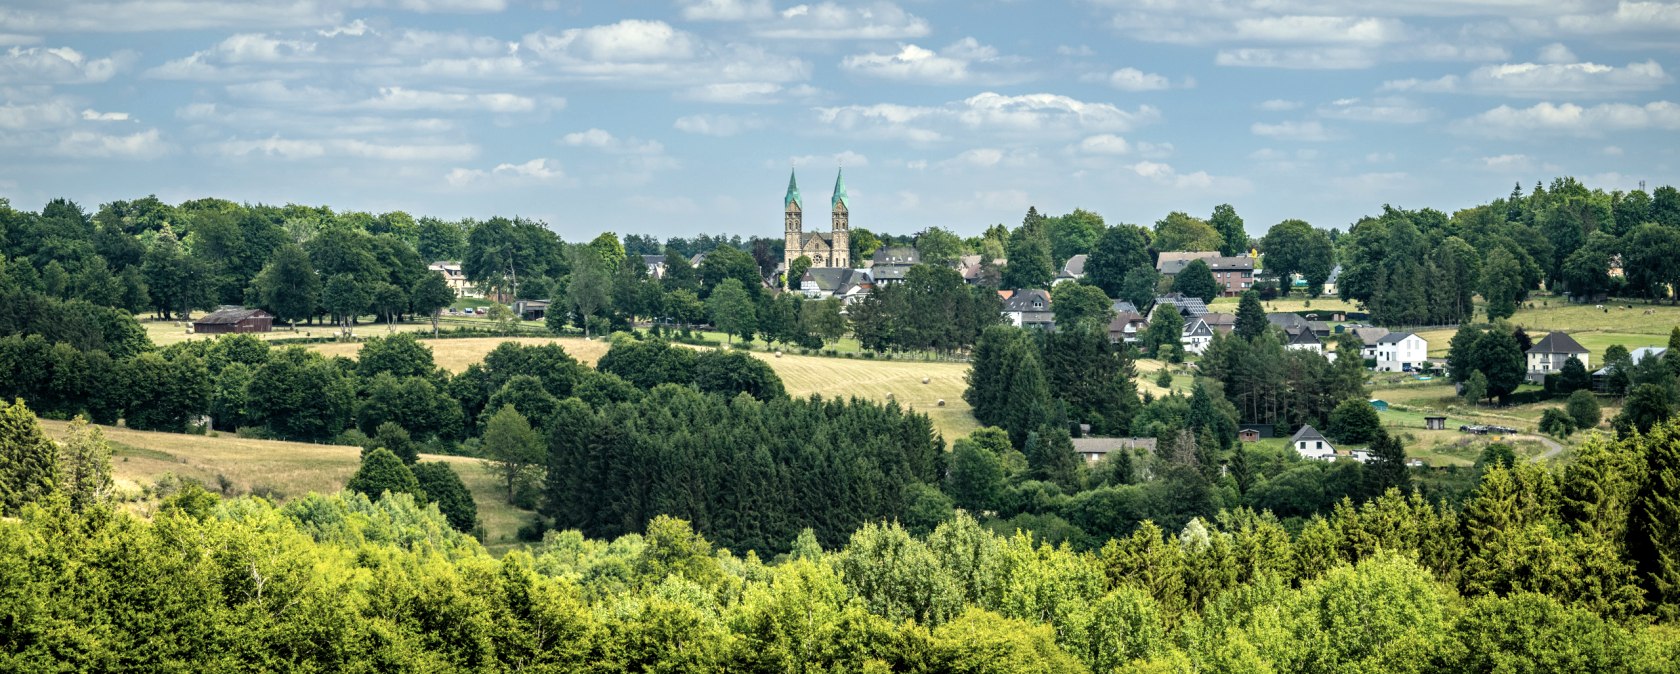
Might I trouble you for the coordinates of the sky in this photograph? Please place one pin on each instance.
(679, 117)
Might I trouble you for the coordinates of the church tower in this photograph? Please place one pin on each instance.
(839, 234)
(793, 221)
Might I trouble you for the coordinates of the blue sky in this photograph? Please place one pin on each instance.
(672, 118)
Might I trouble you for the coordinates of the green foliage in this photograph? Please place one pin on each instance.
(28, 460)
(1179, 231)
(1076, 305)
(382, 472)
(732, 310)
(1294, 247)
(84, 466)
(1165, 330)
(1583, 408)
(1557, 423)
(513, 449)
(1030, 261)
(732, 372)
(1476, 389)
(1121, 252)
(300, 395)
(1251, 317)
(443, 486)
(396, 439)
(1196, 280)
(1354, 422)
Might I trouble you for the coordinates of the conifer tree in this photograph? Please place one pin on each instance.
(1655, 527)
(1251, 317)
(382, 472)
(443, 486)
(28, 460)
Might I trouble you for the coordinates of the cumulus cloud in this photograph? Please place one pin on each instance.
(1032, 115)
(60, 65)
(1198, 181)
(1279, 105)
(310, 148)
(1389, 110)
(238, 56)
(46, 114)
(1569, 119)
(836, 21)
(721, 126)
(639, 52)
(535, 170)
(846, 158)
(602, 140)
(1541, 80)
(725, 10)
(146, 144)
(1105, 144)
(1132, 79)
(1556, 52)
(965, 61)
(1299, 131)
(91, 115)
(399, 98)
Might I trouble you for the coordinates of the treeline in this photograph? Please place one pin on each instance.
(1538, 570)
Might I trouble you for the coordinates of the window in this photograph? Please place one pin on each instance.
(1320, 445)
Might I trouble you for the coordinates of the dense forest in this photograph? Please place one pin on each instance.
(1537, 571)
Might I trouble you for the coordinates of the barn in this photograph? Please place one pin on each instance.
(229, 318)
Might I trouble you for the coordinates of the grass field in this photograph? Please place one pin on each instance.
(164, 333)
(1293, 303)
(285, 469)
(455, 354)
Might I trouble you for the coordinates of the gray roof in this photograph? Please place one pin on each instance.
(1172, 261)
(1394, 337)
(1335, 274)
(1370, 336)
(833, 279)
(228, 314)
(1289, 322)
(1075, 266)
(1233, 263)
(1192, 306)
(1022, 301)
(904, 255)
(1305, 337)
(1307, 433)
(1122, 306)
(1637, 355)
(1557, 342)
(653, 259)
(1197, 328)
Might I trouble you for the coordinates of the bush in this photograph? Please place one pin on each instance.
(1584, 409)
(1557, 423)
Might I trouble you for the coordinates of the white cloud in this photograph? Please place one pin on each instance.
(1532, 80)
(46, 114)
(1612, 151)
(1390, 110)
(984, 157)
(954, 64)
(1372, 184)
(725, 10)
(1031, 115)
(1132, 79)
(721, 126)
(1298, 131)
(1556, 52)
(1001, 200)
(1314, 58)
(1569, 119)
(294, 148)
(637, 52)
(1518, 163)
(835, 21)
(147, 144)
(240, 56)
(1321, 29)
(1105, 144)
(60, 65)
(535, 170)
(753, 93)
(1199, 181)
(355, 28)
(1279, 105)
(399, 98)
(844, 159)
(602, 140)
(92, 115)
(122, 16)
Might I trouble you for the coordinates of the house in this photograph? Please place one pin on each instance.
(1234, 274)
(1601, 376)
(1369, 338)
(1319, 328)
(531, 310)
(1330, 283)
(1029, 309)
(1196, 337)
(1126, 326)
(1170, 263)
(655, 265)
(1094, 449)
(1248, 435)
(229, 318)
(973, 270)
(826, 282)
(1401, 352)
(1221, 323)
(1291, 323)
(456, 278)
(1309, 443)
(1122, 306)
(1072, 270)
(891, 263)
(1550, 353)
(1304, 340)
(1254, 431)
(1435, 423)
(1188, 307)
(1379, 404)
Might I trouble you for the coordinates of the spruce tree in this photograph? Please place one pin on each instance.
(1655, 534)
(28, 460)
(1050, 457)
(393, 437)
(976, 479)
(382, 472)
(444, 487)
(1251, 317)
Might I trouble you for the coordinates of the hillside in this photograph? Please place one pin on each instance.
(278, 469)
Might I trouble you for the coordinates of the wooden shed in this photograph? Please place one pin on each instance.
(234, 319)
(1435, 423)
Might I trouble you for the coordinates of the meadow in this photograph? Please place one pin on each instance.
(280, 470)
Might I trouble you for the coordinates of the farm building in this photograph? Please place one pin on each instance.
(1094, 449)
(1379, 404)
(1435, 423)
(229, 318)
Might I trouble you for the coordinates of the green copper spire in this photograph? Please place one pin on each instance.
(792, 198)
(840, 191)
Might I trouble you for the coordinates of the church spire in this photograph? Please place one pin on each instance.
(840, 190)
(792, 198)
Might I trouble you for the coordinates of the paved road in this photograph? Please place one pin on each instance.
(1553, 448)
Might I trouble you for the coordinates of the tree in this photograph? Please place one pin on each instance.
(1050, 457)
(395, 438)
(1654, 529)
(383, 472)
(28, 460)
(976, 480)
(938, 246)
(1573, 377)
(588, 290)
(1077, 304)
(1387, 468)
(513, 449)
(726, 263)
(302, 396)
(1030, 264)
(399, 354)
(1645, 406)
(1498, 358)
(732, 310)
(443, 486)
(1476, 388)
(1355, 422)
(345, 299)
(1140, 285)
(1556, 422)
(430, 296)
(1120, 251)
(684, 307)
(1179, 231)
(1294, 247)
(1501, 284)
(1196, 280)
(796, 271)
(1165, 330)
(822, 319)
(1583, 408)
(1231, 232)
(84, 466)
(1251, 317)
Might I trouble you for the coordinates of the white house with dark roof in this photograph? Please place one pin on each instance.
(1029, 309)
(1311, 444)
(1548, 355)
(1188, 307)
(1401, 352)
(1304, 340)
(1196, 337)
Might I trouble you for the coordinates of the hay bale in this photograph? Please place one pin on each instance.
(925, 380)
(941, 402)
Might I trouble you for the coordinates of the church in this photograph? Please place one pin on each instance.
(825, 250)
